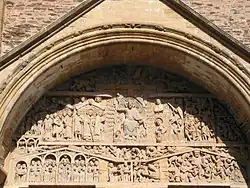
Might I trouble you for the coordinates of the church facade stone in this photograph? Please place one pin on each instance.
(126, 98)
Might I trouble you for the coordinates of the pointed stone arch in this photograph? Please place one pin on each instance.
(176, 51)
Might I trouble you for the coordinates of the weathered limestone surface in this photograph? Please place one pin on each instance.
(150, 28)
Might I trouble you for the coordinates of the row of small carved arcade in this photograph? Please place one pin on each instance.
(182, 167)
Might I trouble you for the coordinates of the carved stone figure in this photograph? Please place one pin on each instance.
(21, 172)
(146, 172)
(196, 161)
(82, 169)
(48, 127)
(112, 173)
(161, 130)
(206, 134)
(126, 171)
(39, 127)
(79, 169)
(68, 124)
(93, 171)
(131, 122)
(89, 124)
(50, 169)
(120, 172)
(177, 123)
(159, 107)
(96, 171)
(191, 129)
(21, 145)
(64, 169)
(30, 145)
(58, 126)
(99, 126)
(35, 170)
(76, 172)
(78, 125)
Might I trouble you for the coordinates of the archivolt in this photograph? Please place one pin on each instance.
(82, 51)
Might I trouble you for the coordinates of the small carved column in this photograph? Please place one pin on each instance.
(132, 172)
(164, 171)
(103, 175)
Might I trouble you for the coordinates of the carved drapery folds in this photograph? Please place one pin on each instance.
(129, 124)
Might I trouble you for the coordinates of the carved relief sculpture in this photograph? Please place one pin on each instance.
(129, 124)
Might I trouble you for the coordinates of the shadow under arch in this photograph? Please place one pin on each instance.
(90, 49)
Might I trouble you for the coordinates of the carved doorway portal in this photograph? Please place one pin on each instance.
(129, 124)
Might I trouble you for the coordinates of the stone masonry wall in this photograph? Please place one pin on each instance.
(232, 16)
(24, 18)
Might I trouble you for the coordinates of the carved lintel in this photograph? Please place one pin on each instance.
(177, 144)
(168, 95)
(76, 93)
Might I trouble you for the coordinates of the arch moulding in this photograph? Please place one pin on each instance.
(82, 51)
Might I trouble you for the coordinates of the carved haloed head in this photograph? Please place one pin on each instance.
(130, 105)
(39, 122)
(111, 165)
(158, 101)
(91, 163)
(90, 112)
(33, 162)
(100, 112)
(98, 99)
(70, 112)
(158, 121)
(96, 163)
(38, 163)
(53, 99)
(196, 153)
